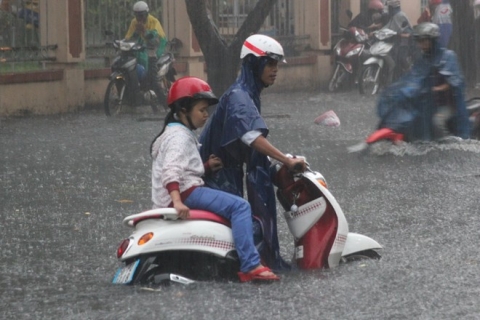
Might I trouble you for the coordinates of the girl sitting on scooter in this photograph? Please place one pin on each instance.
(177, 172)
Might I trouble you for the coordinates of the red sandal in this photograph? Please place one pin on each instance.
(255, 274)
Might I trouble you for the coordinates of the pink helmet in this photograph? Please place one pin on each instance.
(375, 5)
(435, 2)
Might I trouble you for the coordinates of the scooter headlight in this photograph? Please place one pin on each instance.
(323, 182)
(354, 52)
(163, 70)
(338, 50)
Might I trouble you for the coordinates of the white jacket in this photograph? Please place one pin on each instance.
(176, 158)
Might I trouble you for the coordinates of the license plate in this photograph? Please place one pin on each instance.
(124, 275)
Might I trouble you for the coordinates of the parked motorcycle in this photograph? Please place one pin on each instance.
(348, 52)
(127, 75)
(374, 71)
(164, 249)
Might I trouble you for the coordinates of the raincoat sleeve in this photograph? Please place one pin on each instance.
(241, 117)
(131, 29)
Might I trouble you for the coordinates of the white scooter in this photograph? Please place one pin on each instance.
(164, 249)
(372, 75)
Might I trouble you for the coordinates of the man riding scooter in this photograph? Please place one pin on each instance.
(407, 108)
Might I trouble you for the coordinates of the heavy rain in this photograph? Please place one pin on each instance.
(68, 179)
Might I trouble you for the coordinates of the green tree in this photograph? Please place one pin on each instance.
(223, 58)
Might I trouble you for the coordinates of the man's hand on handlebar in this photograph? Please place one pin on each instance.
(296, 165)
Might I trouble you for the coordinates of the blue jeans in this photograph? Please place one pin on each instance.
(235, 209)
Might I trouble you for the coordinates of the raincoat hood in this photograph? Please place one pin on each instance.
(250, 76)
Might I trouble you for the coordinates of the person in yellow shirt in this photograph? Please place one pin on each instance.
(146, 30)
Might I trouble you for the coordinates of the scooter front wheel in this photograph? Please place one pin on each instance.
(113, 101)
(369, 79)
(334, 84)
(362, 255)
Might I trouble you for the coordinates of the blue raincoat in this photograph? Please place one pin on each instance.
(237, 113)
(408, 105)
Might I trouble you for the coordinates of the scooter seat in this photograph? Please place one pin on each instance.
(209, 216)
(194, 215)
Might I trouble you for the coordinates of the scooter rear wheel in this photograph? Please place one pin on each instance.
(113, 101)
(369, 80)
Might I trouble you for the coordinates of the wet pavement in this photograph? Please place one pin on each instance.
(67, 181)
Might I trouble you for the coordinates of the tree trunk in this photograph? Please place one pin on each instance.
(222, 59)
(463, 39)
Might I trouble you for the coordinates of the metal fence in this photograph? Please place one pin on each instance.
(229, 15)
(106, 20)
(19, 34)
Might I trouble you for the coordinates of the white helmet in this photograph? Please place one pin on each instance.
(426, 30)
(262, 46)
(393, 3)
(140, 6)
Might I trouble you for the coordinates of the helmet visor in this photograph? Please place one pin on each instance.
(275, 56)
(207, 95)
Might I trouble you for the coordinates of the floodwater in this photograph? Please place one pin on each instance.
(68, 181)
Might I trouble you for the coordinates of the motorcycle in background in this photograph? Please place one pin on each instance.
(163, 248)
(374, 71)
(127, 75)
(348, 52)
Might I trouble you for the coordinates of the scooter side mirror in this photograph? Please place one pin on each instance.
(349, 14)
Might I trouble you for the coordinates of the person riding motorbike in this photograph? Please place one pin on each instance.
(407, 108)
(177, 172)
(365, 20)
(146, 30)
(398, 22)
(237, 133)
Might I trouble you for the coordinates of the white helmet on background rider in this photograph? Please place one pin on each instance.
(140, 6)
(262, 46)
(393, 3)
(426, 30)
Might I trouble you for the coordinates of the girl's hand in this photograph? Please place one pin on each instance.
(215, 163)
(182, 210)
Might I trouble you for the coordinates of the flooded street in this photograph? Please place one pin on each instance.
(68, 181)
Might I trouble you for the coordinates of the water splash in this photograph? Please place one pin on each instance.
(422, 148)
